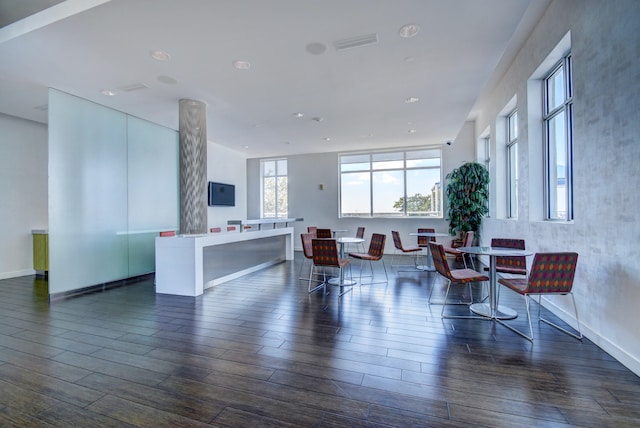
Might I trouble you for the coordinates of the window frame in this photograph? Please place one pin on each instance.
(277, 176)
(565, 108)
(512, 170)
(435, 191)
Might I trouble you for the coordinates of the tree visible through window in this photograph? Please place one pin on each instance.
(275, 200)
(391, 184)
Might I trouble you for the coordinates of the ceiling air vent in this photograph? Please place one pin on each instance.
(355, 42)
(133, 87)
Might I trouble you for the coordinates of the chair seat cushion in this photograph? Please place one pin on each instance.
(467, 275)
(344, 262)
(411, 249)
(519, 285)
(364, 256)
(451, 250)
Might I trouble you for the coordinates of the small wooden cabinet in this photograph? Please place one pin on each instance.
(40, 251)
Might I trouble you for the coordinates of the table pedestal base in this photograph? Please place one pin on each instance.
(502, 312)
(426, 268)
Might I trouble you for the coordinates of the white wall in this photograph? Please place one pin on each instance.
(605, 45)
(227, 166)
(23, 192)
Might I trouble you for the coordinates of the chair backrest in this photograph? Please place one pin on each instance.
(215, 230)
(360, 232)
(312, 230)
(440, 260)
(376, 246)
(423, 241)
(230, 228)
(168, 233)
(510, 262)
(468, 239)
(397, 242)
(307, 244)
(325, 252)
(323, 233)
(552, 273)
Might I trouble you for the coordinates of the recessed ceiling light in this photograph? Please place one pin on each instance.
(160, 55)
(316, 48)
(246, 147)
(412, 100)
(411, 131)
(242, 65)
(409, 30)
(108, 92)
(327, 139)
(297, 114)
(318, 119)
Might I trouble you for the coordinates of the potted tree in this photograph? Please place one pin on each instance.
(468, 195)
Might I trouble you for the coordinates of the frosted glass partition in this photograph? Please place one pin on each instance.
(87, 193)
(153, 191)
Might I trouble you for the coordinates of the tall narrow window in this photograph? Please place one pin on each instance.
(558, 120)
(391, 184)
(275, 200)
(512, 163)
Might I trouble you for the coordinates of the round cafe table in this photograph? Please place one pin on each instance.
(341, 243)
(428, 267)
(492, 309)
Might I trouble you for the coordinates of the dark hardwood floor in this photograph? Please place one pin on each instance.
(259, 352)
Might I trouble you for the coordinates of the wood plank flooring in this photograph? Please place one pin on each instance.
(260, 352)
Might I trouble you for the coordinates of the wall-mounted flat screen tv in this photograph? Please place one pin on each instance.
(221, 194)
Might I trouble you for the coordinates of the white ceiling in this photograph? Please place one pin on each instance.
(84, 46)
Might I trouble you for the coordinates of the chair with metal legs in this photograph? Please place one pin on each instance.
(455, 276)
(325, 255)
(324, 234)
(468, 242)
(397, 243)
(551, 274)
(375, 253)
(307, 251)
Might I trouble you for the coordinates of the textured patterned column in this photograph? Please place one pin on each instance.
(193, 167)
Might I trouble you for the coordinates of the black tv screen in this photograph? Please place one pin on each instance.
(221, 194)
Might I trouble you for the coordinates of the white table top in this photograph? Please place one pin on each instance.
(349, 240)
(429, 234)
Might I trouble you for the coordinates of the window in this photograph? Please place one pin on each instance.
(274, 188)
(557, 125)
(391, 184)
(512, 164)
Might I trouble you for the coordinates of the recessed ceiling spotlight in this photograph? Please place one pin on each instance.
(316, 48)
(297, 114)
(327, 139)
(318, 119)
(242, 65)
(108, 92)
(409, 30)
(411, 131)
(246, 147)
(412, 100)
(160, 55)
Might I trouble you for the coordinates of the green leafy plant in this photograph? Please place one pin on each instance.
(468, 196)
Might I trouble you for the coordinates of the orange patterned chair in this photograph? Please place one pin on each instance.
(468, 241)
(423, 241)
(455, 276)
(325, 255)
(397, 243)
(551, 273)
(324, 234)
(515, 265)
(307, 250)
(375, 253)
(168, 233)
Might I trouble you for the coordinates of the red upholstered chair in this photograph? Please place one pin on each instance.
(323, 233)
(423, 241)
(325, 255)
(516, 265)
(231, 228)
(468, 242)
(307, 250)
(397, 243)
(375, 253)
(455, 276)
(215, 230)
(551, 273)
(312, 230)
(168, 233)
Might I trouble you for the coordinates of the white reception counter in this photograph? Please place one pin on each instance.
(186, 265)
